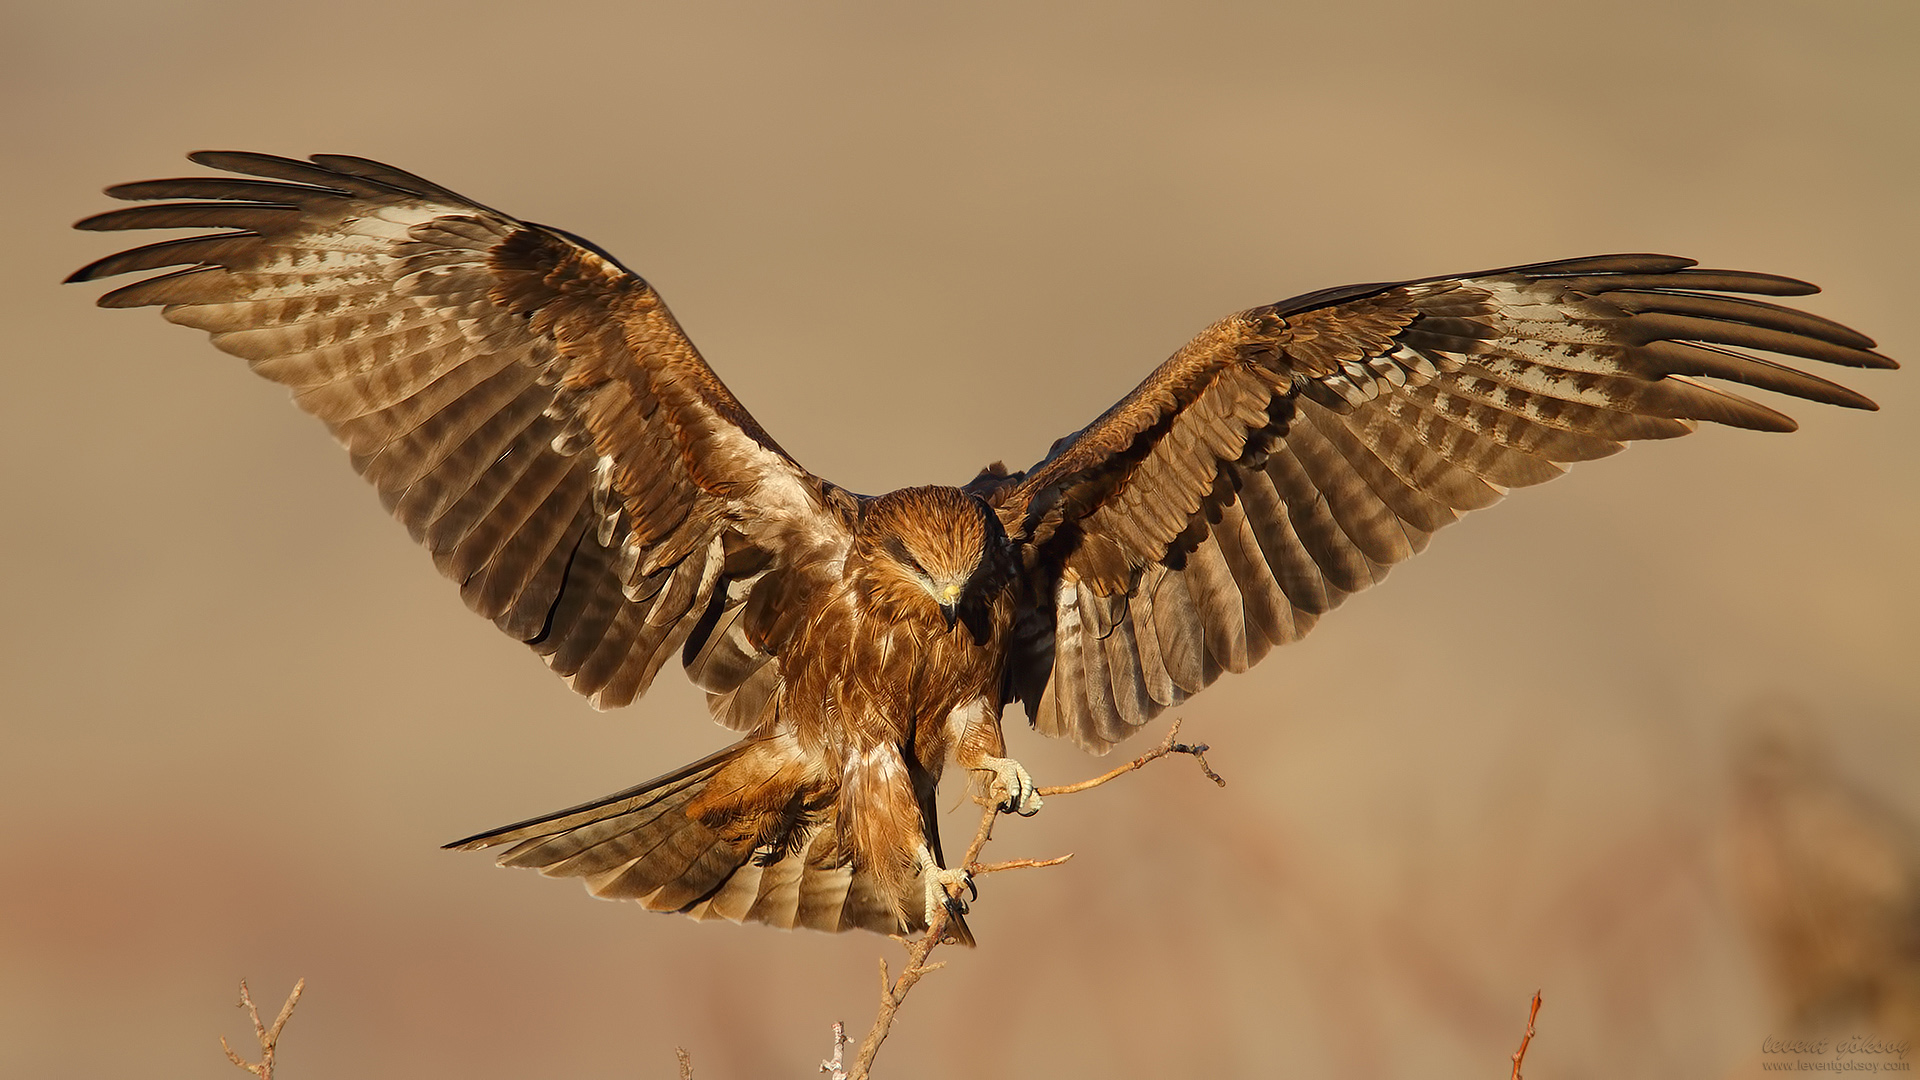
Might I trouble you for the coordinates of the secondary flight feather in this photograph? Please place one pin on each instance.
(533, 414)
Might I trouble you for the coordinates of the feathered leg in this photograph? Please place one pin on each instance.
(977, 747)
(887, 814)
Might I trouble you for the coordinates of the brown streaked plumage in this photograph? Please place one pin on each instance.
(533, 414)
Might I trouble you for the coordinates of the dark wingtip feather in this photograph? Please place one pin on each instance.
(96, 222)
(190, 250)
(222, 187)
(1757, 418)
(1752, 281)
(1735, 410)
(382, 173)
(229, 159)
(293, 170)
(190, 215)
(1699, 358)
(1867, 358)
(160, 289)
(1638, 263)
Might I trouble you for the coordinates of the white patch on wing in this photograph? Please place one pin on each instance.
(784, 503)
(1543, 310)
(603, 501)
(629, 560)
(1360, 381)
(778, 488)
(313, 259)
(396, 218)
(1521, 370)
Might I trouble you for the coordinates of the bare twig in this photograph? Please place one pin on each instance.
(268, 1037)
(894, 991)
(686, 1062)
(977, 869)
(1521, 1053)
(835, 1066)
(1167, 746)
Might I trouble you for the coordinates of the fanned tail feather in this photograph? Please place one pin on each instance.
(649, 844)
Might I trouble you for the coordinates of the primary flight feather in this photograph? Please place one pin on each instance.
(534, 415)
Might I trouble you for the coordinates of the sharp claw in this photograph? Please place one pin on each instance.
(1028, 803)
(1022, 795)
(939, 890)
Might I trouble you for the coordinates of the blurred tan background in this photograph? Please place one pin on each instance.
(241, 711)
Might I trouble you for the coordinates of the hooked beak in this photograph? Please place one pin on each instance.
(949, 601)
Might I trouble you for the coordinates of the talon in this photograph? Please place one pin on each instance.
(1012, 787)
(941, 886)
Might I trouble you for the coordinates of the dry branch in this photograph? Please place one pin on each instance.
(268, 1037)
(976, 869)
(835, 1067)
(1520, 1054)
(894, 991)
(1167, 746)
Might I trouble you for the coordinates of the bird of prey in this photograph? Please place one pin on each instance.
(532, 413)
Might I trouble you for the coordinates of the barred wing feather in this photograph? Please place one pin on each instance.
(1290, 455)
(525, 405)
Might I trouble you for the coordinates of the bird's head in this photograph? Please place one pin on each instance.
(927, 544)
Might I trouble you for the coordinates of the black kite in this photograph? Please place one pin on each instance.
(533, 414)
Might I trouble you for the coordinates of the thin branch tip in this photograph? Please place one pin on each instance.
(1198, 751)
(979, 869)
(268, 1037)
(835, 1066)
(1520, 1054)
(1168, 745)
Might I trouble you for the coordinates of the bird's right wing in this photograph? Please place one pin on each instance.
(525, 405)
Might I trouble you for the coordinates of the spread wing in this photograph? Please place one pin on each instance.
(525, 405)
(1291, 454)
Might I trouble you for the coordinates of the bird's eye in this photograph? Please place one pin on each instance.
(905, 558)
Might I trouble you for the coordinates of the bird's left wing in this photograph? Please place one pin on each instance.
(525, 405)
(1289, 455)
